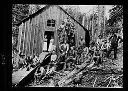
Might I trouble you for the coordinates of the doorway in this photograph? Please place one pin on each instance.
(49, 34)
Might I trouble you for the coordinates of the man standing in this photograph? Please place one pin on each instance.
(81, 42)
(99, 42)
(114, 44)
(35, 60)
(45, 48)
(64, 48)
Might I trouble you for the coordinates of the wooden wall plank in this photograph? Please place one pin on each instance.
(23, 50)
(44, 28)
(35, 49)
(30, 28)
(41, 33)
(28, 38)
(26, 47)
(37, 34)
(21, 43)
(19, 36)
(39, 37)
(32, 36)
(40, 49)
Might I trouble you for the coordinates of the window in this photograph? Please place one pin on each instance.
(51, 23)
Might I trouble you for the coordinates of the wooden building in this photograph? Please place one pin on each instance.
(45, 21)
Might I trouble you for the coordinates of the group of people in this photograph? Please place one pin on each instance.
(69, 54)
(27, 61)
(102, 48)
(99, 50)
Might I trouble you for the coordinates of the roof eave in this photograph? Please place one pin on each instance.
(33, 15)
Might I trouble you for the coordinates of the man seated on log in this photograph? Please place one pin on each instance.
(53, 56)
(72, 52)
(97, 58)
(86, 51)
(65, 48)
(60, 61)
(52, 65)
(70, 63)
(114, 44)
(104, 49)
(92, 49)
(82, 41)
(71, 59)
(22, 61)
(40, 72)
(51, 71)
(29, 62)
(35, 60)
(50, 68)
(78, 79)
(79, 52)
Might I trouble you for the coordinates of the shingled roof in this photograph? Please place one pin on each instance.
(43, 9)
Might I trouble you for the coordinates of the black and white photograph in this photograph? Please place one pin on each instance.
(67, 46)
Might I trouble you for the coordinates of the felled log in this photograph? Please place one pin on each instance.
(72, 74)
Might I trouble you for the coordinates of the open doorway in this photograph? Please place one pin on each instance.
(49, 34)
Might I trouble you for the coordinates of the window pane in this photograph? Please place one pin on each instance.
(53, 25)
(49, 21)
(48, 24)
(53, 21)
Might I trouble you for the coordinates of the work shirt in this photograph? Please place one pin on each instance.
(65, 47)
(50, 69)
(114, 40)
(42, 70)
(35, 60)
(81, 42)
(99, 41)
(86, 50)
(53, 57)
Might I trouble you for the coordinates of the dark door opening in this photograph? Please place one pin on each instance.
(49, 34)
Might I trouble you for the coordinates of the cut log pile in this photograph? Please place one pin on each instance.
(74, 73)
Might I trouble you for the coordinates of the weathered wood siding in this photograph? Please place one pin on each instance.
(32, 31)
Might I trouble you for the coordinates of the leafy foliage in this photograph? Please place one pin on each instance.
(116, 14)
(19, 12)
(75, 13)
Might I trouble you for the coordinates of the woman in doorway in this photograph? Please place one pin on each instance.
(45, 43)
(51, 44)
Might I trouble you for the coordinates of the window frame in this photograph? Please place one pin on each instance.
(51, 23)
